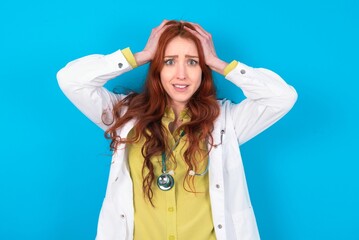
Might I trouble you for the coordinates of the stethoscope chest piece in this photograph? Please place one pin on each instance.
(165, 181)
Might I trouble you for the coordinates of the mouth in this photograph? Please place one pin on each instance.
(180, 87)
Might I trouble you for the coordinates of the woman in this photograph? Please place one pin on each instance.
(176, 170)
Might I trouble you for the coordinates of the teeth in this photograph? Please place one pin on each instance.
(180, 86)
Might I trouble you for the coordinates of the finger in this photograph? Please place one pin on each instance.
(201, 30)
(163, 23)
(161, 30)
(157, 32)
(204, 35)
(160, 26)
(201, 37)
(194, 32)
(205, 40)
(155, 35)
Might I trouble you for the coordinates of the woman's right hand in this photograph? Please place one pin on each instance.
(149, 51)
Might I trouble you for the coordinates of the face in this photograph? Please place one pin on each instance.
(181, 74)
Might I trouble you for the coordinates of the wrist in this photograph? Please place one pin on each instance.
(142, 57)
(127, 53)
(217, 65)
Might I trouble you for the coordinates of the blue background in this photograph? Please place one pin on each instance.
(302, 172)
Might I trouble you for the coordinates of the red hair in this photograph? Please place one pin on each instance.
(149, 106)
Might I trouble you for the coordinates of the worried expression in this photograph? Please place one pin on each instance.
(181, 74)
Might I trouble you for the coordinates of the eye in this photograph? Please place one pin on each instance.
(169, 62)
(192, 62)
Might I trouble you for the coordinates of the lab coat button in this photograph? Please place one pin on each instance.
(122, 216)
(120, 65)
(116, 179)
(219, 226)
(218, 186)
(243, 71)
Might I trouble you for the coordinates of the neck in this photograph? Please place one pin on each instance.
(177, 109)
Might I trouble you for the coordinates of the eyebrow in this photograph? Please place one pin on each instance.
(176, 56)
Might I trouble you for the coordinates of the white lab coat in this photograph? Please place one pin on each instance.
(268, 98)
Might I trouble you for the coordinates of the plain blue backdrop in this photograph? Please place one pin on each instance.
(302, 172)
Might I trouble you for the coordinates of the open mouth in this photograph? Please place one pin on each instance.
(180, 86)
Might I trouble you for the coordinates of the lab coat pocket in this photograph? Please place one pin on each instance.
(111, 224)
(245, 225)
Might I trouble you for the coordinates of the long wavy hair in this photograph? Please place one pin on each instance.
(149, 106)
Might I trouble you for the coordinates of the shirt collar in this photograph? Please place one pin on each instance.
(170, 115)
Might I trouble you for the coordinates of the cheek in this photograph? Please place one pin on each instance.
(166, 75)
(196, 77)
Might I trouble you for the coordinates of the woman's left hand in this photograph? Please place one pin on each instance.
(210, 55)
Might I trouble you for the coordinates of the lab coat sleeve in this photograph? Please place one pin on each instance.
(82, 82)
(268, 98)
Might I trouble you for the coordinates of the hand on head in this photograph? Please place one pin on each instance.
(206, 40)
(152, 42)
(200, 33)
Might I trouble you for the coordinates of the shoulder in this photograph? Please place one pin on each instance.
(224, 103)
(225, 106)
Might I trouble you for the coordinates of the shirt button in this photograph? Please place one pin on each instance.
(171, 237)
(218, 186)
(170, 209)
(219, 226)
(243, 71)
(120, 65)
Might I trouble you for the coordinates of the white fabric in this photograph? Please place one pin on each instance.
(268, 98)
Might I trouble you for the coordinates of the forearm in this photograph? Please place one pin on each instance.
(263, 86)
(269, 98)
(217, 65)
(142, 58)
(93, 70)
(82, 82)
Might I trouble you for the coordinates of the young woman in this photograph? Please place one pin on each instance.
(176, 170)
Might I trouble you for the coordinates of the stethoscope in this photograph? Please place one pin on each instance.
(166, 181)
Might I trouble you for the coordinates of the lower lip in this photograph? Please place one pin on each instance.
(180, 89)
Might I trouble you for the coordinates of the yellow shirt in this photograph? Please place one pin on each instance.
(178, 214)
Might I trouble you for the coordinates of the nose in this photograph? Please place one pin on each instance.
(181, 71)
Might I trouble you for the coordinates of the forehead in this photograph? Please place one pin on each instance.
(179, 45)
